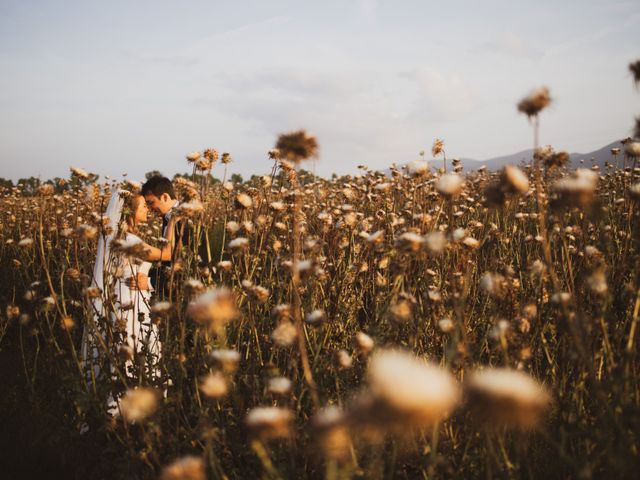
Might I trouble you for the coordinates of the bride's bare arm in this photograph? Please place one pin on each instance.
(163, 254)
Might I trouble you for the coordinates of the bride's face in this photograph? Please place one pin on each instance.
(140, 211)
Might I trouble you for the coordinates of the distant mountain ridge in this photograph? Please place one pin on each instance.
(597, 157)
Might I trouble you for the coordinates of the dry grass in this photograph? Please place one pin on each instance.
(475, 275)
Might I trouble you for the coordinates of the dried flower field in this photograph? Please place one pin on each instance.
(421, 324)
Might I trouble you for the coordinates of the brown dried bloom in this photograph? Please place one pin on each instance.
(284, 334)
(79, 173)
(243, 201)
(214, 385)
(193, 156)
(632, 150)
(297, 146)
(508, 397)
(331, 433)
(185, 468)
(450, 185)
(576, 190)
(535, 102)
(211, 154)
(438, 147)
(364, 342)
(406, 392)
(225, 359)
(215, 308)
(634, 68)
(512, 182)
(279, 386)
(269, 423)
(417, 168)
(46, 189)
(138, 403)
(409, 242)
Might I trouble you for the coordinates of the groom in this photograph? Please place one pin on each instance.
(160, 196)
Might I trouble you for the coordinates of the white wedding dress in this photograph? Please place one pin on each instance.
(129, 332)
(132, 312)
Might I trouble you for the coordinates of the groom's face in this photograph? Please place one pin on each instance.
(160, 204)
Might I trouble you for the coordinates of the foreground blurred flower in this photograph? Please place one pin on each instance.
(331, 433)
(512, 182)
(214, 385)
(185, 468)
(450, 184)
(364, 342)
(214, 308)
(535, 102)
(501, 396)
(417, 168)
(297, 146)
(138, 403)
(226, 359)
(634, 68)
(279, 386)
(632, 149)
(438, 147)
(268, 423)
(405, 392)
(79, 173)
(576, 190)
(284, 334)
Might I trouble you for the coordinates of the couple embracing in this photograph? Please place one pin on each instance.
(125, 282)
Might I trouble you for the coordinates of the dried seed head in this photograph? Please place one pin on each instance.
(634, 68)
(332, 435)
(138, 403)
(577, 190)
(344, 359)
(243, 201)
(409, 242)
(297, 146)
(214, 308)
(494, 284)
(408, 391)
(436, 242)
(190, 209)
(79, 173)
(364, 342)
(284, 334)
(225, 359)
(193, 156)
(508, 397)
(438, 147)
(214, 385)
(450, 185)
(269, 422)
(535, 102)
(315, 317)
(279, 386)
(185, 468)
(417, 168)
(632, 149)
(514, 180)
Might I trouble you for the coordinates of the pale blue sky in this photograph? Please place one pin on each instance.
(115, 86)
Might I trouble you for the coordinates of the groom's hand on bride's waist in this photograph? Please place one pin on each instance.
(139, 282)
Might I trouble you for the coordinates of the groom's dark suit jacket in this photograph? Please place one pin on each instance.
(185, 237)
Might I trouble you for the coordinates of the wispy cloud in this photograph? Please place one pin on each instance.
(439, 96)
(510, 43)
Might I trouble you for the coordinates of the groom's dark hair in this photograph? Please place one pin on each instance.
(157, 185)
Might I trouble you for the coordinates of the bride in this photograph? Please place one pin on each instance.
(120, 325)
